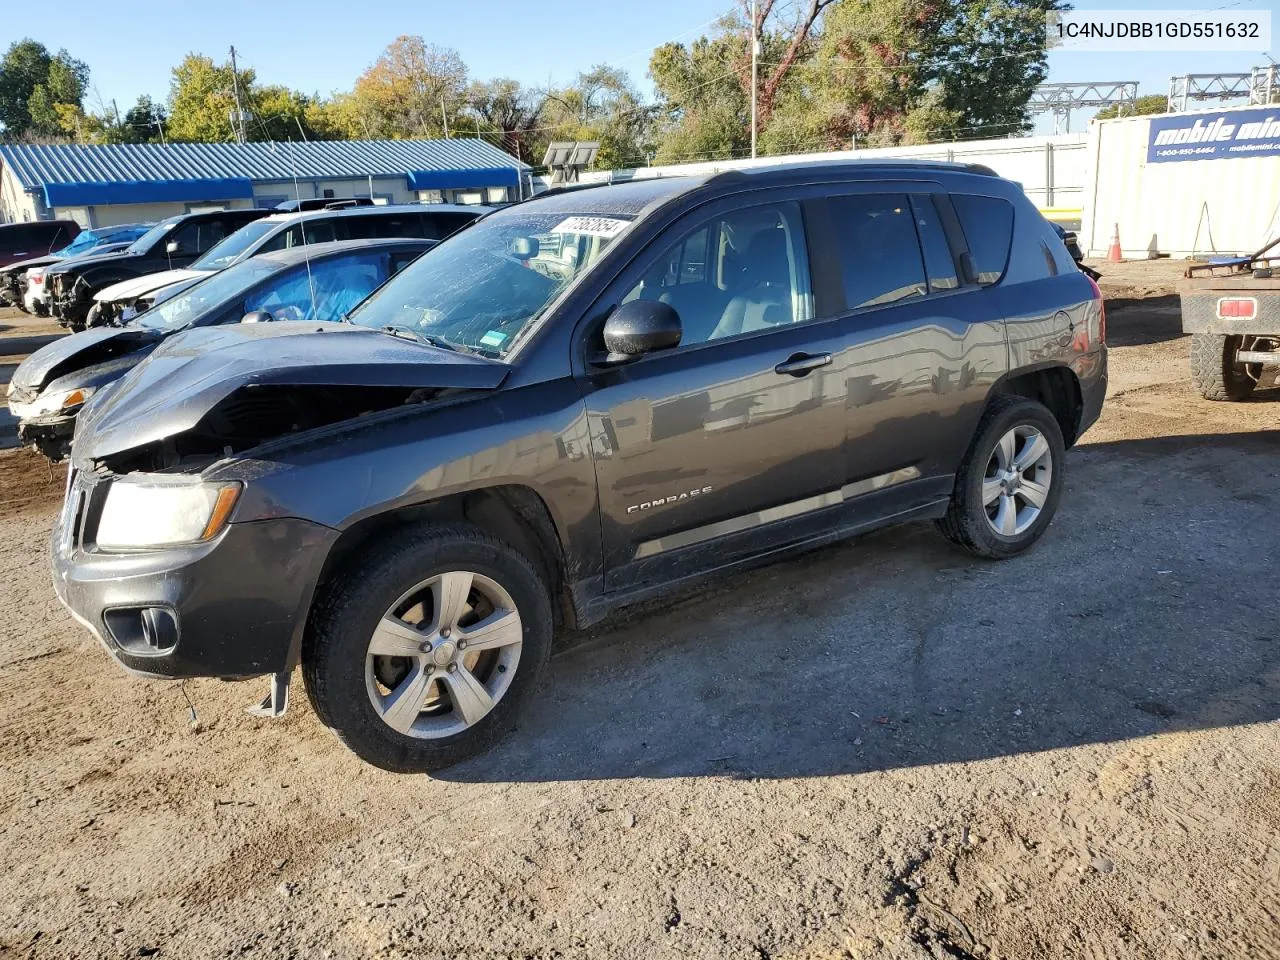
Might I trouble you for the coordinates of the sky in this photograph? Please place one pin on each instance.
(323, 45)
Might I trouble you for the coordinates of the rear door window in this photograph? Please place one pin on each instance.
(880, 257)
(987, 223)
(938, 261)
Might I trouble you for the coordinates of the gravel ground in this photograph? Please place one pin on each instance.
(884, 749)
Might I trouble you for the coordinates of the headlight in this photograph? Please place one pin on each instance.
(159, 512)
(61, 401)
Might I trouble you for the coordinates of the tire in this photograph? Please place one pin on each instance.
(1216, 374)
(343, 676)
(969, 521)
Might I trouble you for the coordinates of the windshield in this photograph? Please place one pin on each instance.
(85, 241)
(207, 295)
(480, 289)
(144, 242)
(225, 252)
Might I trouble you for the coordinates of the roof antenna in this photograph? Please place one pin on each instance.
(302, 232)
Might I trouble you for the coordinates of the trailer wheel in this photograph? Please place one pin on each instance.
(1215, 371)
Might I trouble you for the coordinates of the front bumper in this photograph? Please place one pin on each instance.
(51, 436)
(233, 607)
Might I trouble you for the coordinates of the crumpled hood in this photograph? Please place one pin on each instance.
(78, 350)
(92, 259)
(189, 374)
(22, 266)
(137, 286)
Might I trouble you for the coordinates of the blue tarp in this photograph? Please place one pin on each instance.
(463, 179)
(87, 193)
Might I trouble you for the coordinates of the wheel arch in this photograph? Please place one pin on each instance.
(1056, 386)
(514, 513)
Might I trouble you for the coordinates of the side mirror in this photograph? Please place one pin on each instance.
(640, 327)
(256, 316)
(524, 248)
(171, 247)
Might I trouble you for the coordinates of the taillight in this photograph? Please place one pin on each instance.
(1239, 307)
(1102, 309)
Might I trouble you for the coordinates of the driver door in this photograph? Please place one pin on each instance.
(731, 443)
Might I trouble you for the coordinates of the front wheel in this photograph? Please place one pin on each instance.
(423, 652)
(1009, 484)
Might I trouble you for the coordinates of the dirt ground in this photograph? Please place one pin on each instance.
(884, 749)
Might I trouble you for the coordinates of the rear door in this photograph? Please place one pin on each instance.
(705, 451)
(925, 346)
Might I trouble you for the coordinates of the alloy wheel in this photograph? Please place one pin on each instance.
(443, 655)
(1016, 483)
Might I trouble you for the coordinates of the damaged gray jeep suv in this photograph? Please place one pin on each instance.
(573, 404)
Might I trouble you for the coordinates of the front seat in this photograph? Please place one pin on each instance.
(766, 301)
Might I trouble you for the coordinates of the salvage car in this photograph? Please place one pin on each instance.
(323, 281)
(20, 241)
(13, 277)
(173, 242)
(1232, 311)
(280, 231)
(575, 403)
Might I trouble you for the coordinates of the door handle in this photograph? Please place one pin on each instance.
(799, 364)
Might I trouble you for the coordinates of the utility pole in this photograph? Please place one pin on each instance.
(237, 125)
(755, 56)
(444, 115)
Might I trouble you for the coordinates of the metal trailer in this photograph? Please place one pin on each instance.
(1232, 311)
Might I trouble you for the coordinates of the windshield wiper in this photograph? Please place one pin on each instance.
(404, 333)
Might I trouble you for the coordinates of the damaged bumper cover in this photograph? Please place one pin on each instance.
(233, 607)
(50, 436)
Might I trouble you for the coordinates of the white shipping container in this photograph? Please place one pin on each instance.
(1184, 208)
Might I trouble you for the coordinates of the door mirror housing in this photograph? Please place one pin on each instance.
(640, 327)
(256, 316)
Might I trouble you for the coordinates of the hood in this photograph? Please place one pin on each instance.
(138, 286)
(188, 375)
(79, 350)
(92, 259)
(21, 266)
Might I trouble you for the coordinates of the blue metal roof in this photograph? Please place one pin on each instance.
(113, 171)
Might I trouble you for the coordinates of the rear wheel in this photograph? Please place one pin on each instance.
(426, 651)
(1215, 371)
(1008, 487)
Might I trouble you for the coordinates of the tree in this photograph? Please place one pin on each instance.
(202, 100)
(703, 109)
(202, 103)
(414, 89)
(33, 83)
(509, 114)
(144, 122)
(601, 104)
(989, 55)
(1150, 103)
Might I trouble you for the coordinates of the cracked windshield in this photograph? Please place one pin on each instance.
(479, 291)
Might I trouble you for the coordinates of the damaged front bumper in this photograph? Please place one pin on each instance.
(49, 436)
(233, 607)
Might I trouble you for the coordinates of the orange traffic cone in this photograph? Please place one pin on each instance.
(1113, 251)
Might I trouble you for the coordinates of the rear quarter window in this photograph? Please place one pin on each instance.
(987, 223)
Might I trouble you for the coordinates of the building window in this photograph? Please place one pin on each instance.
(497, 195)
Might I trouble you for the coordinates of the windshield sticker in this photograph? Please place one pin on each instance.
(591, 226)
(493, 338)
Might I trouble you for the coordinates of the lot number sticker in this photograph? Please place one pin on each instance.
(592, 226)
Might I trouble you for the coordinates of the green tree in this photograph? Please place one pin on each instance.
(601, 104)
(33, 82)
(989, 55)
(202, 104)
(144, 122)
(703, 109)
(1147, 104)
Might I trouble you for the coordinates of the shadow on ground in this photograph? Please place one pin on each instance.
(1148, 607)
(1135, 322)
